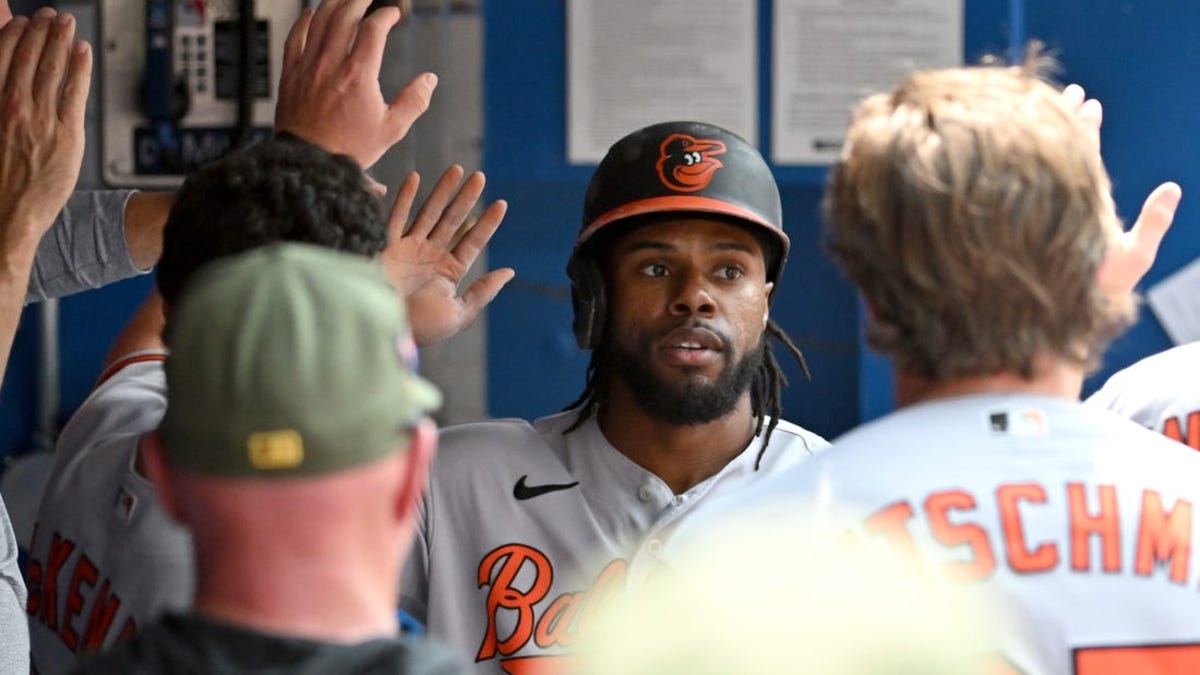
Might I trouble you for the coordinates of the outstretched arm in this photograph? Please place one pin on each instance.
(143, 331)
(425, 260)
(1133, 252)
(100, 236)
(145, 215)
(327, 96)
(428, 258)
(45, 75)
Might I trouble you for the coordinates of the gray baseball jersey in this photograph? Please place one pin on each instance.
(525, 531)
(1076, 521)
(105, 555)
(1158, 394)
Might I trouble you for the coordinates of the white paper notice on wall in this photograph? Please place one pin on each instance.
(633, 63)
(1176, 302)
(828, 54)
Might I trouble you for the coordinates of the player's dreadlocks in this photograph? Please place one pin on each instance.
(766, 389)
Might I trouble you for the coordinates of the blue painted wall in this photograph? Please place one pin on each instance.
(88, 324)
(1142, 61)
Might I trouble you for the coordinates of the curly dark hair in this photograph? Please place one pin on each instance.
(282, 189)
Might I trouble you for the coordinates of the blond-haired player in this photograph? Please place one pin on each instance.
(972, 210)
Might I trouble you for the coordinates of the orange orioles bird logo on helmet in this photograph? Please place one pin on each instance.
(686, 163)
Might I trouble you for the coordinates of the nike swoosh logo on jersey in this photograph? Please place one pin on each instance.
(522, 491)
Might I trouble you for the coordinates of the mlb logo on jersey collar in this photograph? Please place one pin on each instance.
(1021, 422)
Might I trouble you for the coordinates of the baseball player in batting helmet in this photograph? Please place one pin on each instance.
(529, 527)
(677, 168)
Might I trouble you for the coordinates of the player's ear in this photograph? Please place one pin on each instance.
(767, 288)
(418, 457)
(153, 465)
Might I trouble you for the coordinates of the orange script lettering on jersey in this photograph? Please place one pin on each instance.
(559, 623)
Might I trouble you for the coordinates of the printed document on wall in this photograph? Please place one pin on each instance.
(632, 63)
(828, 54)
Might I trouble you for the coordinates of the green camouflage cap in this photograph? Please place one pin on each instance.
(289, 360)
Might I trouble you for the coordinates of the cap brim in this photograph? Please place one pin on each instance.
(670, 203)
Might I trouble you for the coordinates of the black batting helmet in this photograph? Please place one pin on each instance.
(671, 167)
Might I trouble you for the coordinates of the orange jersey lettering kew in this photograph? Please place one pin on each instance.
(82, 597)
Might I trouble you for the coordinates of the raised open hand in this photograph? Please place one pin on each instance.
(44, 80)
(428, 258)
(329, 84)
(1133, 252)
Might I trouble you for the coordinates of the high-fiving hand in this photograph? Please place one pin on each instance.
(428, 258)
(329, 83)
(1134, 250)
(45, 75)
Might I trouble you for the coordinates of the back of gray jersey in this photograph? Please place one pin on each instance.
(1074, 522)
(105, 556)
(1158, 394)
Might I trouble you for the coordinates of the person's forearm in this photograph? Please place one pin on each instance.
(89, 244)
(16, 264)
(145, 215)
(142, 332)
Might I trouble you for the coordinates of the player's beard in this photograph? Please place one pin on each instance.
(689, 403)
